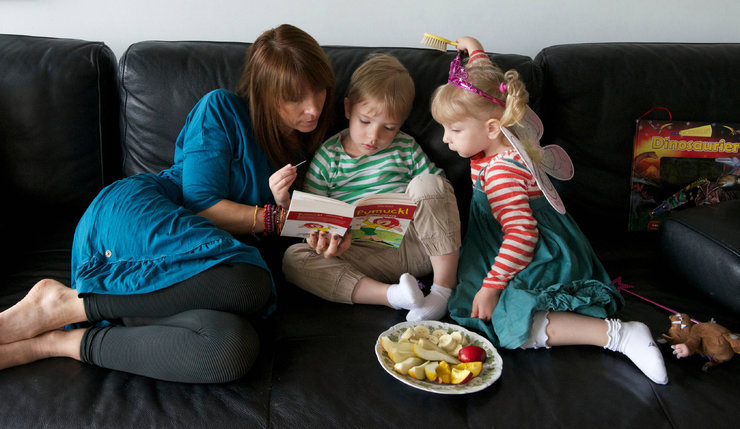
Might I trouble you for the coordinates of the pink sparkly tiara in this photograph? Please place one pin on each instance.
(459, 77)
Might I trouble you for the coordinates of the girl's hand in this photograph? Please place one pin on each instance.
(329, 245)
(280, 183)
(484, 303)
(468, 44)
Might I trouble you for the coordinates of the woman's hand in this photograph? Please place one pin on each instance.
(280, 182)
(484, 302)
(468, 44)
(329, 245)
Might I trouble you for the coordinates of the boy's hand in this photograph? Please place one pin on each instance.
(280, 182)
(468, 44)
(329, 245)
(484, 302)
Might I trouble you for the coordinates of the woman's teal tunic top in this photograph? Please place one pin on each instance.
(142, 233)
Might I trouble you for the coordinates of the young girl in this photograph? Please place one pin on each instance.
(528, 277)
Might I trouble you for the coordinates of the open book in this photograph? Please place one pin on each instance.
(382, 218)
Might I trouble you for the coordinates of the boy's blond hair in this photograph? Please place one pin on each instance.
(384, 79)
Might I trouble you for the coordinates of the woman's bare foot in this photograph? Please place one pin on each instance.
(48, 305)
(50, 344)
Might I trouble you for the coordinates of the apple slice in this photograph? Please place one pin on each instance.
(443, 373)
(460, 376)
(474, 367)
(431, 370)
(421, 350)
(389, 344)
(418, 371)
(400, 355)
(398, 352)
(406, 365)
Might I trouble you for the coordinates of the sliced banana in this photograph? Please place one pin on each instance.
(407, 335)
(439, 332)
(421, 330)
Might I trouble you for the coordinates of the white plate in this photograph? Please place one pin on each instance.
(491, 367)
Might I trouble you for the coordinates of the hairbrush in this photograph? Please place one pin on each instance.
(436, 42)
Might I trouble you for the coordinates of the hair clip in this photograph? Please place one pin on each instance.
(459, 78)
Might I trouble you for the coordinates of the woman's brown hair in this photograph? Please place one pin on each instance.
(280, 66)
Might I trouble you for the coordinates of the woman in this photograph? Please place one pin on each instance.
(156, 253)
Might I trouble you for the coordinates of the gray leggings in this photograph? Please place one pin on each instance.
(195, 331)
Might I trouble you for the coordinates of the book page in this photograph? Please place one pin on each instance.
(310, 212)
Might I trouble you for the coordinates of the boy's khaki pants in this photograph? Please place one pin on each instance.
(434, 231)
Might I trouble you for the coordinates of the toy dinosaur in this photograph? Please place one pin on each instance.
(713, 341)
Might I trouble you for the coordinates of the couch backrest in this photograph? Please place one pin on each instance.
(58, 127)
(594, 93)
(161, 81)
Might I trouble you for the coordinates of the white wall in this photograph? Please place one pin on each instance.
(511, 26)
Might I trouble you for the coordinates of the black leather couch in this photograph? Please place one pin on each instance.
(73, 118)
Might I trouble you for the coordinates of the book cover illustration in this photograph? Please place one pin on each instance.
(380, 218)
(384, 223)
(678, 164)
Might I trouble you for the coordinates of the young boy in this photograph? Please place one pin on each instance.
(373, 156)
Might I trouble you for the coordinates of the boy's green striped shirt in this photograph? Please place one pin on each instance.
(335, 174)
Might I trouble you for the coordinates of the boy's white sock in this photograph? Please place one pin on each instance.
(405, 294)
(434, 306)
(636, 342)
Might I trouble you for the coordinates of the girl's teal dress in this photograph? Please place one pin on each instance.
(564, 275)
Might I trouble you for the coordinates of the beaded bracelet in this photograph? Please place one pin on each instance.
(274, 219)
(265, 216)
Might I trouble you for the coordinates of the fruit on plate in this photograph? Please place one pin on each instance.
(444, 373)
(428, 351)
(388, 344)
(400, 355)
(431, 370)
(474, 367)
(406, 365)
(460, 376)
(418, 371)
(441, 356)
(471, 354)
(398, 352)
(450, 343)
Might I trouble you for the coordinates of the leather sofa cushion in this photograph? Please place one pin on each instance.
(58, 126)
(702, 244)
(593, 95)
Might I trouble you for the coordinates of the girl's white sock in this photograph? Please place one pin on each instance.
(635, 341)
(405, 294)
(434, 306)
